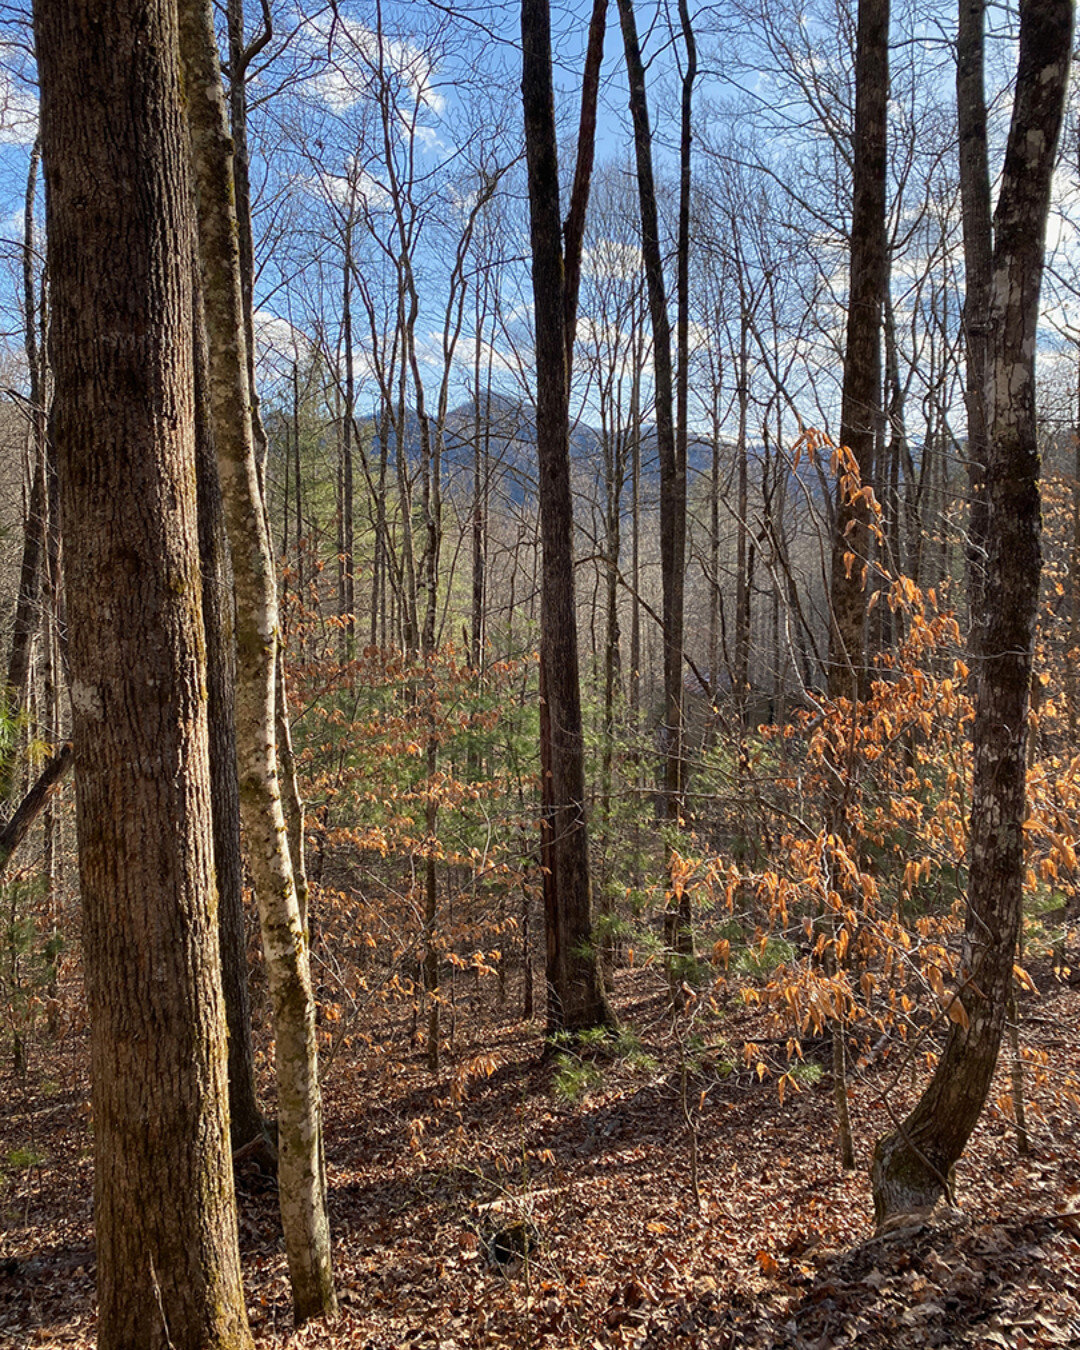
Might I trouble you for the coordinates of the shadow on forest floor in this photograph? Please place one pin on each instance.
(426, 1173)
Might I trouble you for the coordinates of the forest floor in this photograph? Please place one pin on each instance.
(485, 1207)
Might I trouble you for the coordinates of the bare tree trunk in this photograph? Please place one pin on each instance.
(348, 532)
(301, 1170)
(48, 781)
(576, 998)
(119, 229)
(241, 55)
(28, 603)
(861, 398)
(860, 411)
(245, 1119)
(978, 265)
(913, 1165)
(671, 438)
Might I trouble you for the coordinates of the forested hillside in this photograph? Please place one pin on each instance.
(540, 592)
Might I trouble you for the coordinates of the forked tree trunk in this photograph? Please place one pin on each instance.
(119, 230)
(302, 1180)
(913, 1165)
(576, 998)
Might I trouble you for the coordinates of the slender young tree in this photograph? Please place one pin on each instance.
(28, 604)
(913, 1164)
(859, 413)
(670, 400)
(978, 263)
(118, 203)
(245, 1119)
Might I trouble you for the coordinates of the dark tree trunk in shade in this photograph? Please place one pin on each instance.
(119, 225)
(575, 989)
(861, 395)
(913, 1165)
(978, 264)
(859, 417)
(33, 804)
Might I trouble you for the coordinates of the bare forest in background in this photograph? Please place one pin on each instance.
(621, 570)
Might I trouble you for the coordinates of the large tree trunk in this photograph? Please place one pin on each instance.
(913, 1165)
(576, 997)
(119, 223)
(301, 1171)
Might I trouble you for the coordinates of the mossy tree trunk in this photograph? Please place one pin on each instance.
(301, 1172)
(245, 1119)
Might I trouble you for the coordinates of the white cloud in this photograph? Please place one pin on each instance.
(359, 57)
(354, 187)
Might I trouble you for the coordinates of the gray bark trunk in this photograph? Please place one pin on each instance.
(245, 1119)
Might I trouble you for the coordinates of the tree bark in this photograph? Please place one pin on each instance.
(576, 998)
(978, 263)
(671, 434)
(913, 1165)
(245, 1119)
(119, 226)
(861, 395)
(302, 1181)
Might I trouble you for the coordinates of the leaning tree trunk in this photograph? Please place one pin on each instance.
(913, 1165)
(33, 804)
(119, 223)
(301, 1170)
